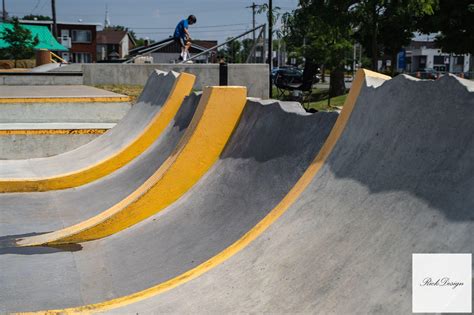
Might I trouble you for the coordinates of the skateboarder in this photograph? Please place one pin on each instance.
(182, 37)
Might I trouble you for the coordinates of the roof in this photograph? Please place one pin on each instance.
(46, 39)
(111, 36)
(416, 44)
(47, 22)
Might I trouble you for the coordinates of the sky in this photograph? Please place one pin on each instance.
(156, 19)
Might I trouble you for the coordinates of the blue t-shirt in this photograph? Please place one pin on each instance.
(179, 31)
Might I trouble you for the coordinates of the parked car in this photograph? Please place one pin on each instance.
(290, 72)
(427, 73)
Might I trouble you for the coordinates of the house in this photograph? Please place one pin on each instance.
(168, 51)
(46, 40)
(113, 45)
(79, 38)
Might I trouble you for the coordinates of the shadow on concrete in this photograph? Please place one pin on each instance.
(413, 136)
(8, 245)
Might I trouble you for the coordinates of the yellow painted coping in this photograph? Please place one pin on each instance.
(181, 88)
(101, 99)
(257, 230)
(217, 115)
(36, 132)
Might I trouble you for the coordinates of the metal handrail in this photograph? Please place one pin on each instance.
(225, 43)
(146, 51)
(57, 57)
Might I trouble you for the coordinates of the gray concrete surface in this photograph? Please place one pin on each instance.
(46, 210)
(272, 146)
(63, 112)
(149, 104)
(253, 76)
(399, 181)
(55, 126)
(58, 91)
(29, 79)
(73, 67)
(15, 147)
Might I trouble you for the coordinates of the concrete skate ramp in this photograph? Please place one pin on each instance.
(400, 180)
(162, 96)
(23, 213)
(395, 177)
(190, 160)
(268, 152)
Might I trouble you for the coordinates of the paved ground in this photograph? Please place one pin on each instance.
(53, 91)
(281, 223)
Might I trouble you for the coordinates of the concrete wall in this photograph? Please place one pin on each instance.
(63, 112)
(23, 79)
(13, 147)
(254, 76)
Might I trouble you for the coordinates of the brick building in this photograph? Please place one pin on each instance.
(78, 37)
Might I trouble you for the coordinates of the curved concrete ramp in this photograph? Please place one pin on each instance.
(268, 152)
(26, 213)
(400, 180)
(216, 117)
(266, 231)
(158, 104)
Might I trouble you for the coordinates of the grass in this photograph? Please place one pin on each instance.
(133, 91)
(336, 102)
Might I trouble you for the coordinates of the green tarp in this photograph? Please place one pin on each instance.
(46, 39)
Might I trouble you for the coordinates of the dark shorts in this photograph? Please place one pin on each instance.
(180, 41)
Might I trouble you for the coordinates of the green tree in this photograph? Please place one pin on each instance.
(454, 21)
(320, 30)
(32, 17)
(21, 42)
(231, 52)
(247, 44)
(383, 26)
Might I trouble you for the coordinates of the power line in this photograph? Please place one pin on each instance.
(194, 27)
(35, 7)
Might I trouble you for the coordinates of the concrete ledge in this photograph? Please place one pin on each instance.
(31, 78)
(54, 128)
(26, 146)
(33, 140)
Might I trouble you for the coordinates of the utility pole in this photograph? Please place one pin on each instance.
(270, 39)
(55, 26)
(4, 12)
(254, 8)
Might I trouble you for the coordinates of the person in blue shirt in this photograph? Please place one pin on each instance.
(182, 37)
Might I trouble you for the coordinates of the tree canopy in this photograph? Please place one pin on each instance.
(454, 21)
(21, 42)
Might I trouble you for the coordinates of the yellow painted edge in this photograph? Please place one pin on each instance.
(252, 234)
(111, 99)
(181, 88)
(216, 117)
(53, 132)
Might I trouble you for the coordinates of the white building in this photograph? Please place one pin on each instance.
(425, 55)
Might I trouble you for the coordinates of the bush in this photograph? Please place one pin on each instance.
(24, 63)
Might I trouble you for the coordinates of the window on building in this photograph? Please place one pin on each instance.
(459, 60)
(81, 36)
(438, 60)
(81, 58)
